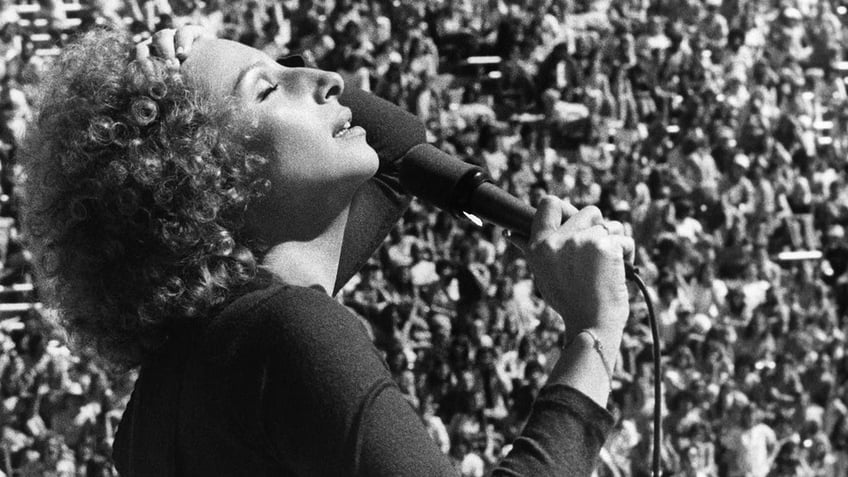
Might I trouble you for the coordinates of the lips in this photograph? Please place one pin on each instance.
(342, 124)
(344, 130)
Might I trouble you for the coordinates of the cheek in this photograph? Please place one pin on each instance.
(305, 157)
(294, 150)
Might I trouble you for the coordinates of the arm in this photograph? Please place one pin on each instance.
(375, 207)
(369, 428)
(589, 257)
(328, 405)
(571, 445)
(568, 424)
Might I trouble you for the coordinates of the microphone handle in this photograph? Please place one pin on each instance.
(448, 183)
(430, 174)
(490, 203)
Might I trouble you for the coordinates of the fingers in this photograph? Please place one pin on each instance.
(584, 219)
(551, 212)
(163, 46)
(185, 37)
(142, 55)
(612, 232)
(142, 50)
(616, 247)
(587, 223)
(550, 215)
(628, 246)
(614, 227)
(568, 210)
(169, 45)
(620, 246)
(547, 220)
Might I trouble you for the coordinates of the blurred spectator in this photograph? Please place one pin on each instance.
(716, 130)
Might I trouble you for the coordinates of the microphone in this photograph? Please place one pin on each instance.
(434, 176)
(429, 173)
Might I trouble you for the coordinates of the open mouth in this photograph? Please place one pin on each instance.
(343, 130)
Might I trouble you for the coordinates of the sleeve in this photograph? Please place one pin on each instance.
(328, 403)
(376, 207)
(328, 406)
(381, 201)
(562, 437)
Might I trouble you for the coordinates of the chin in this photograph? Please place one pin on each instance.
(374, 161)
(348, 170)
(365, 164)
(362, 168)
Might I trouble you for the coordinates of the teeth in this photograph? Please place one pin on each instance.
(343, 130)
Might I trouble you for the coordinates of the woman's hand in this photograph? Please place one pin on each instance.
(170, 45)
(579, 267)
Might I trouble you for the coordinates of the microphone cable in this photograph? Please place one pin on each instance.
(430, 174)
(632, 274)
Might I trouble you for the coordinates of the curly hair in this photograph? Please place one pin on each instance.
(136, 186)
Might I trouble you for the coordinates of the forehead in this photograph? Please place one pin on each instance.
(216, 63)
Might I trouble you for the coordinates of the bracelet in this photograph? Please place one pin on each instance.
(599, 347)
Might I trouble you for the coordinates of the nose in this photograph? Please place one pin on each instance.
(328, 85)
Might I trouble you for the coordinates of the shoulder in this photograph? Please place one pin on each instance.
(280, 317)
(265, 306)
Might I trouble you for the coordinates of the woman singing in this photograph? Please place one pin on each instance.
(194, 206)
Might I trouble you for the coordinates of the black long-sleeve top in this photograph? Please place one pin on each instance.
(284, 381)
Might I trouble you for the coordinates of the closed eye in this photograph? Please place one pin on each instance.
(266, 92)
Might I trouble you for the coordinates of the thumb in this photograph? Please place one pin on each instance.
(547, 219)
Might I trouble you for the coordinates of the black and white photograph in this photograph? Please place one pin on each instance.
(423, 238)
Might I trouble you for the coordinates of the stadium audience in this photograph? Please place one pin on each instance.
(716, 130)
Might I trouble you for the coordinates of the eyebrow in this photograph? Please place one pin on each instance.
(244, 73)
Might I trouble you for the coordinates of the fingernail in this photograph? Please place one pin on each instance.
(180, 50)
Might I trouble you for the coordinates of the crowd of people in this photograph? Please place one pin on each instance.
(715, 130)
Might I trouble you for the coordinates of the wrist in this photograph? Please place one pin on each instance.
(606, 350)
(606, 321)
(585, 367)
(610, 338)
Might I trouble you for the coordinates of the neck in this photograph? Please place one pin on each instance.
(309, 262)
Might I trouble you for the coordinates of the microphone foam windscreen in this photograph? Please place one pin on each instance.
(390, 130)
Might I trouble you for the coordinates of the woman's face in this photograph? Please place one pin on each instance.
(317, 160)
